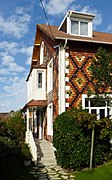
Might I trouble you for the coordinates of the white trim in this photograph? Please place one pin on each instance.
(67, 104)
(50, 119)
(77, 14)
(67, 88)
(63, 20)
(81, 40)
(43, 79)
(84, 96)
(42, 52)
(66, 79)
(50, 76)
(67, 96)
(66, 70)
(89, 27)
(66, 54)
(61, 79)
(67, 63)
(40, 125)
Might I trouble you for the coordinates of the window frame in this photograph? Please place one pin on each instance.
(39, 84)
(50, 76)
(79, 27)
(97, 108)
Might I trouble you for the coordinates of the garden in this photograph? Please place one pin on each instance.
(13, 150)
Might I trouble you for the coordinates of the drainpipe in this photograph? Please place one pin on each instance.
(66, 40)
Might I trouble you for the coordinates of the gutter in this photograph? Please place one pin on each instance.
(81, 40)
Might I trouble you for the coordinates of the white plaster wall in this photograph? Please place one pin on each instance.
(32, 87)
(50, 119)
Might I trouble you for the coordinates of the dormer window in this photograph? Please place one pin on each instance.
(84, 28)
(77, 23)
(79, 28)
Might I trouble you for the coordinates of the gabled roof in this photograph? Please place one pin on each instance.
(98, 37)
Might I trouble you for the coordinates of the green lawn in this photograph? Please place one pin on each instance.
(103, 172)
(13, 169)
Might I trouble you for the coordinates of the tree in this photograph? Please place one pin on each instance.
(101, 69)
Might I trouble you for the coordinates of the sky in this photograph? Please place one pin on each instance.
(18, 19)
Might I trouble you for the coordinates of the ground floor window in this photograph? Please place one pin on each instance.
(100, 106)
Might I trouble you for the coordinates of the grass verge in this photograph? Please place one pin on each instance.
(103, 172)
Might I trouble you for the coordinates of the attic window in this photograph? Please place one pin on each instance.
(79, 28)
(83, 28)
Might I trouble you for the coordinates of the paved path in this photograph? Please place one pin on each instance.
(52, 172)
(47, 168)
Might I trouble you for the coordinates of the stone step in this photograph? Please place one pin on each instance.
(46, 154)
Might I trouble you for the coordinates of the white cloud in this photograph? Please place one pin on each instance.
(12, 66)
(7, 60)
(3, 79)
(98, 15)
(15, 25)
(109, 28)
(4, 71)
(14, 96)
(28, 51)
(11, 47)
(55, 7)
(15, 68)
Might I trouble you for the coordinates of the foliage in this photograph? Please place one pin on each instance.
(72, 139)
(8, 147)
(26, 152)
(103, 172)
(101, 68)
(3, 128)
(16, 128)
(14, 169)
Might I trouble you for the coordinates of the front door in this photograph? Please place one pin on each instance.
(40, 124)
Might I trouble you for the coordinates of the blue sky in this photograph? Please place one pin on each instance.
(18, 19)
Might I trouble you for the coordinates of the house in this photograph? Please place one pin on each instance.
(59, 77)
(5, 115)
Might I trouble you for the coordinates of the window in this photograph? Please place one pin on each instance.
(40, 80)
(74, 27)
(83, 28)
(41, 52)
(79, 28)
(50, 76)
(99, 106)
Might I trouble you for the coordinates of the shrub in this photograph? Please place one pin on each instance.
(16, 128)
(26, 152)
(72, 140)
(8, 147)
(3, 128)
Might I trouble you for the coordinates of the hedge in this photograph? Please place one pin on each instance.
(72, 139)
(8, 147)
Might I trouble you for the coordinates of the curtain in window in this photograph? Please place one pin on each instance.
(83, 28)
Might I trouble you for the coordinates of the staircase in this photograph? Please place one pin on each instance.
(45, 151)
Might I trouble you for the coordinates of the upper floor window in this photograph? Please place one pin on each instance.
(50, 76)
(79, 28)
(40, 80)
(42, 52)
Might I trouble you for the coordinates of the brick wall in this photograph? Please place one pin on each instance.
(80, 80)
